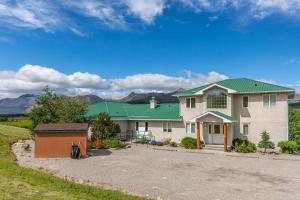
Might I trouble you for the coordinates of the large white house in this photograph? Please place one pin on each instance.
(215, 113)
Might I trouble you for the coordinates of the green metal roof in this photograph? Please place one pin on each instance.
(125, 111)
(222, 115)
(242, 85)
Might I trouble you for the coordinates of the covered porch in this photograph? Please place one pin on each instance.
(214, 128)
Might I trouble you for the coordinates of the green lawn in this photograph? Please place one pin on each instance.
(22, 183)
(23, 123)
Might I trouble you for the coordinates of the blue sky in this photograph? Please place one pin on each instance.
(110, 48)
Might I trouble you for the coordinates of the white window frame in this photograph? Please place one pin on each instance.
(190, 100)
(168, 127)
(246, 124)
(269, 103)
(189, 130)
(247, 102)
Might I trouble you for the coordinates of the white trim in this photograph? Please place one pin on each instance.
(190, 128)
(269, 104)
(190, 107)
(230, 91)
(250, 92)
(209, 112)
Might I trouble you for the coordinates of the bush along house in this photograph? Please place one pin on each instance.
(214, 113)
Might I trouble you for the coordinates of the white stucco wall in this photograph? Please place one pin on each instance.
(272, 119)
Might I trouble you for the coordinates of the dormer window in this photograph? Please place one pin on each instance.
(190, 102)
(216, 99)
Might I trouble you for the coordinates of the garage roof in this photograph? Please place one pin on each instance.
(61, 127)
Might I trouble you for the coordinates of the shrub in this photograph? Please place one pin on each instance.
(114, 143)
(265, 142)
(167, 141)
(98, 144)
(243, 146)
(189, 143)
(144, 140)
(173, 144)
(288, 146)
(236, 142)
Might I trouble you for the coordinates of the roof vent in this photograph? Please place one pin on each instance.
(153, 103)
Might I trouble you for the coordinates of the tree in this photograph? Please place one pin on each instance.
(265, 142)
(71, 109)
(103, 127)
(294, 124)
(51, 108)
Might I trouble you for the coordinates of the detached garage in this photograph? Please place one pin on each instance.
(56, 140)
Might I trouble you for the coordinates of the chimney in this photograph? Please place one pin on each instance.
(153, 103)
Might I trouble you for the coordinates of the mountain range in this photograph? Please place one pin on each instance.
(19, 105)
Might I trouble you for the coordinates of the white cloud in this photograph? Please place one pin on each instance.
(34, 14)
(147, 10)
(117, 14)
(104, 11)
(163, 82)
(34, 78)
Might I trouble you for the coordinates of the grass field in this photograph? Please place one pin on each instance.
(21, 183)
(23, 123)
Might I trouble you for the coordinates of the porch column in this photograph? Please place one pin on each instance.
(198, 136)
(225, 137)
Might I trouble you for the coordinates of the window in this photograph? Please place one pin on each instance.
(217, 129)
(190, 102)
(269, 100)
(216, 100)
(146, 126)
(245, 129)
(209, 128)
(273, 100)
(190, 127)
(266, 100)
(187, 127)
(136, 126)
(245, 101)
(167, 127)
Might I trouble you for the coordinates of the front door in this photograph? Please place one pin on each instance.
(215, 134)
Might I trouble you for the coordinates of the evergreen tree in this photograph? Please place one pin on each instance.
(265, 142)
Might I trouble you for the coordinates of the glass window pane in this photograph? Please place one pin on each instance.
(165, 127)
(187, 128)
(136, 126)
(146, 126)
(193, 102)
(266, 100)
(245, 129)
(217, 129)
(272, 100)
(216, 100)
(245, 101)
(188, 102)
(192, 127)
(169, 127)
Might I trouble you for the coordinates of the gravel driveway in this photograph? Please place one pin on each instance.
(175, 175)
